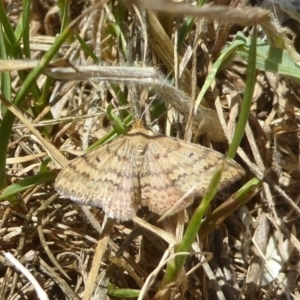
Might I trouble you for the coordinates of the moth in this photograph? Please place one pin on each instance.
(143, 169)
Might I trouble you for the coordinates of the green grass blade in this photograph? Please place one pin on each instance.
(227, 53)
(271, 59)
(25, 27)
(110, 135)
(5, 76)
(175, 266)
(247, 99)
(8, 120)
(122, 293)
(87, 49)
(242, 196)
(26, 184)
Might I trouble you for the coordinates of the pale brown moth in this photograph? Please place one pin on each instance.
(142, 169)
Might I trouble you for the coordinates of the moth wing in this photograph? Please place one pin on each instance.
(192, 166)
(105, 177)
(159, 192)
(173, 167)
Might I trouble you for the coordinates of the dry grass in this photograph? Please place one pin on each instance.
(60, 243)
